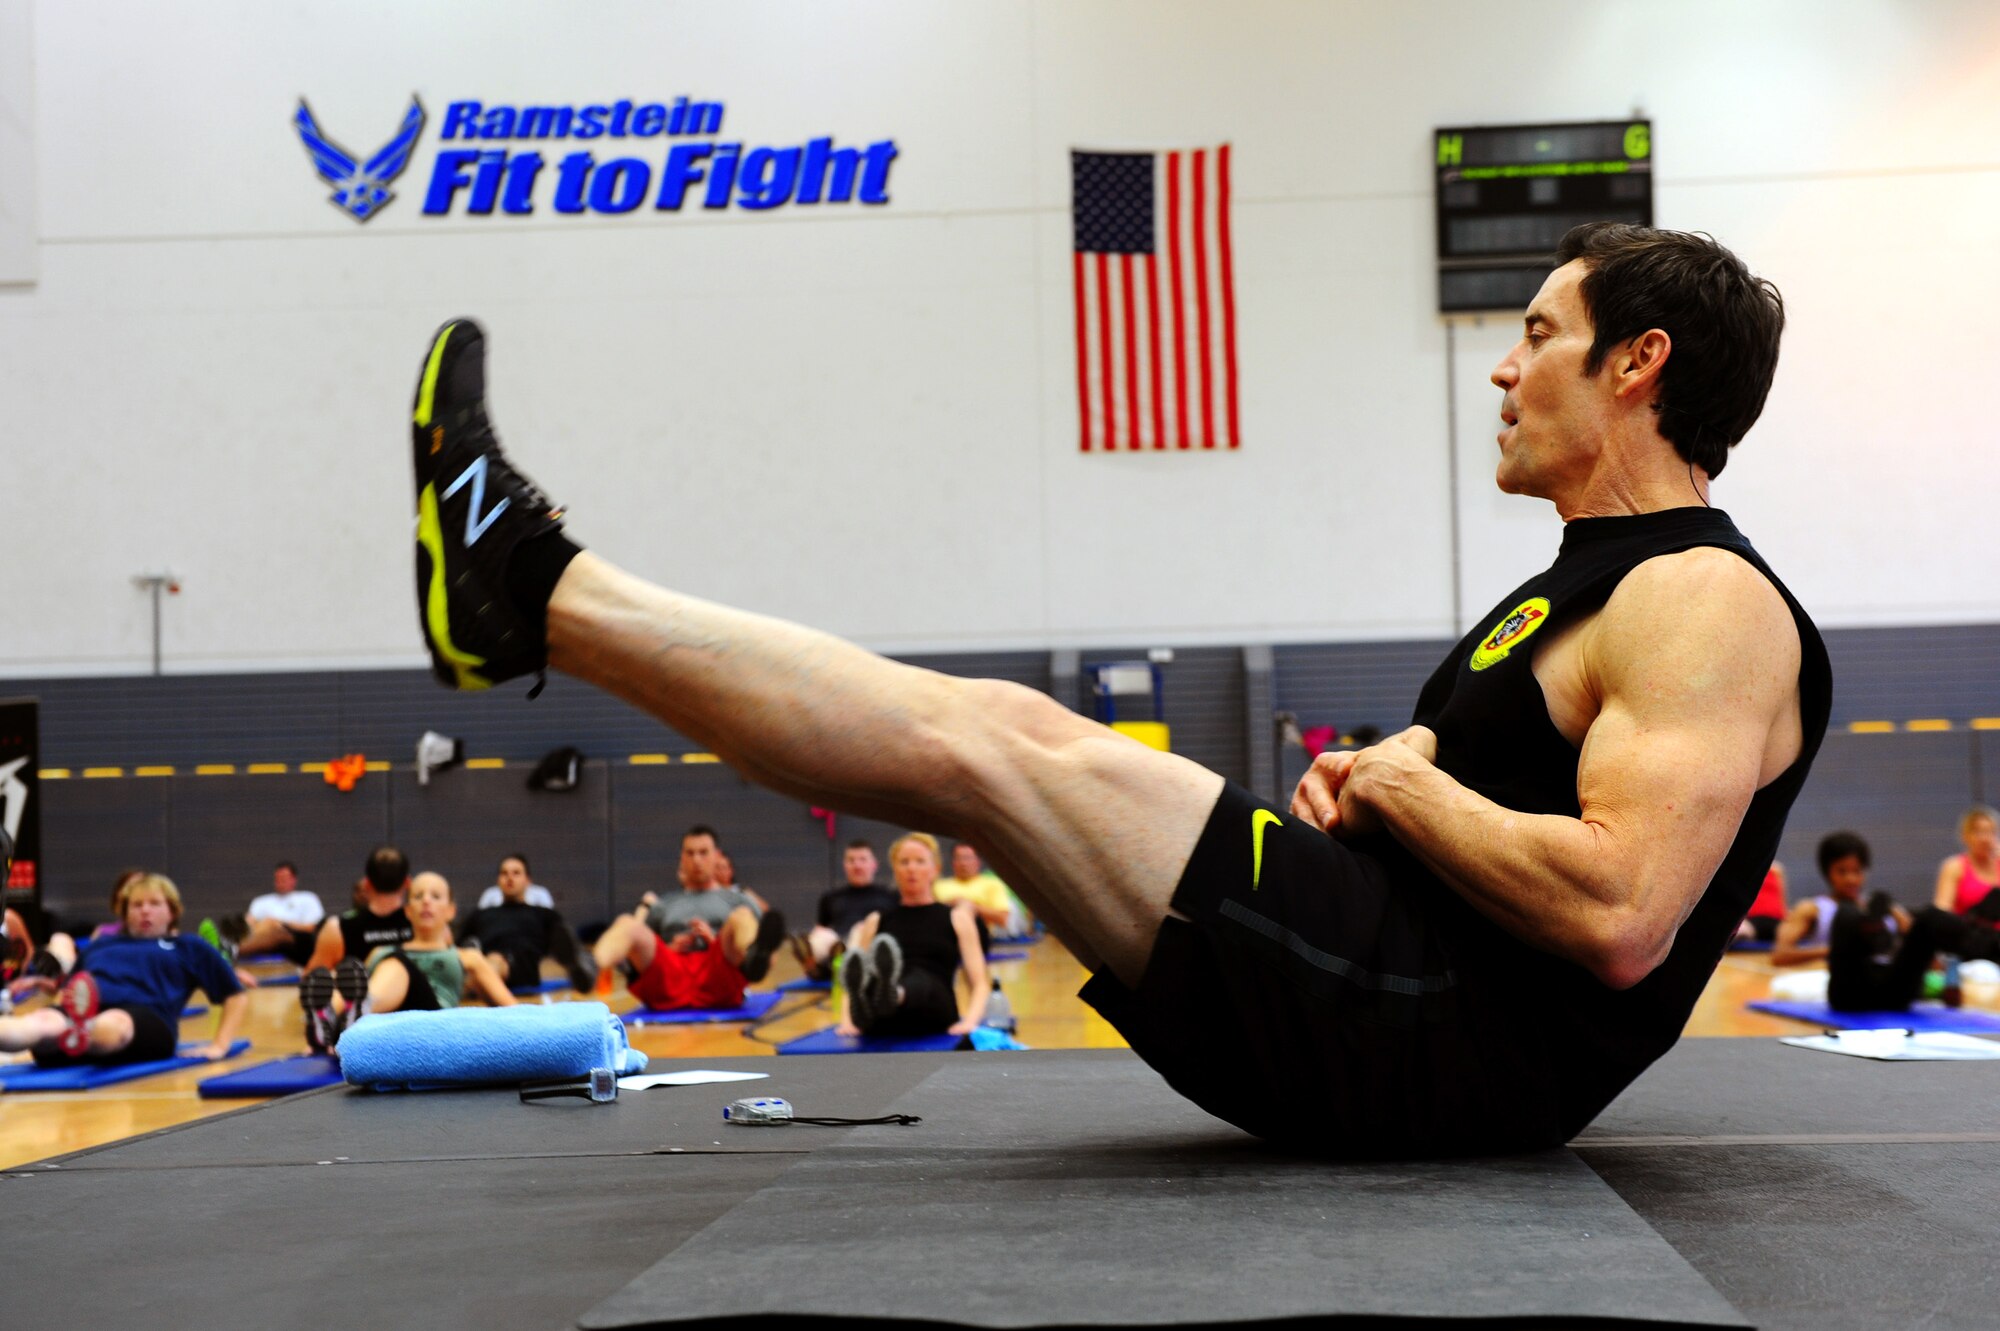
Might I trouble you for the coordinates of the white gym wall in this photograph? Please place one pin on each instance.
(864, 417)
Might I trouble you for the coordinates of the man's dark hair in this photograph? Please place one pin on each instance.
(702, 829)
(1724, 321)
(862, 843)
(387, 870)
(286, 864)
(1837, 846)
(514, 855)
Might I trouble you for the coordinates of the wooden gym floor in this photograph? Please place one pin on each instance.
(1041, 988)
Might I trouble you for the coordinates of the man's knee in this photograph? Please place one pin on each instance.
(110, 1031)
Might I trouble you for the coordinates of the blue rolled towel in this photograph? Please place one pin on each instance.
(478, 1046)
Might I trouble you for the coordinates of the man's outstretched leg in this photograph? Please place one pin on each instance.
(1094, 828)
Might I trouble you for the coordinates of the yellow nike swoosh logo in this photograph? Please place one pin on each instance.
(1259, 820)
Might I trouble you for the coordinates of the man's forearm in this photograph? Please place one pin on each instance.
(1545, 878)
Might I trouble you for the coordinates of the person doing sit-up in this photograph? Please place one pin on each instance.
(1468, 937)
(427, 972)
(840, 910)
(1807, 930)
(516, 934)
(284, 921)
(695, 948)
(1966, 881)
(898, 979)
(122, 1002)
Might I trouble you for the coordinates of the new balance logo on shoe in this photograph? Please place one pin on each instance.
(475, 526)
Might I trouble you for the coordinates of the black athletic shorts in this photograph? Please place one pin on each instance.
(299, 948)
(153, 1038)
(1308, 999)
(420, 997)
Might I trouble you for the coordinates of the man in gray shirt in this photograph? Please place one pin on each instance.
(698, 947)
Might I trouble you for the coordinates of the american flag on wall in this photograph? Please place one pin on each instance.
(1155, 300)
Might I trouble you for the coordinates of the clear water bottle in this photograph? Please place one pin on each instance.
(999, 1012)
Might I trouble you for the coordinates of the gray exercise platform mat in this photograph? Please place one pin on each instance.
(485, 1246)
(346, 1126)
(1084, 1192)
(1756, 1090)
(1819, 1237)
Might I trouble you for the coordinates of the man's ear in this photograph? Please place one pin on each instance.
(1636, 366)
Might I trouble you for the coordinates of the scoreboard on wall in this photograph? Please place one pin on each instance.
(1507, 193)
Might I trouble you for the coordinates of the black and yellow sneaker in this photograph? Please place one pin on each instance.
(473, 510)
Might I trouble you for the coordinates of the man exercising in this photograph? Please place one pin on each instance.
(1468, 937)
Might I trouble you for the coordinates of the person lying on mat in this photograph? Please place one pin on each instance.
(1807, 930)
(841, 911)
(428, 972)
(122, 1002)
(375, 920)
(898, 978)
(285, 921)
(972, 881)
(1967, 880)
(516, 934)
(1878, 955)
(698, 947)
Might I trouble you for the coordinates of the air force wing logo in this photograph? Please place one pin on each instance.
(360, 189)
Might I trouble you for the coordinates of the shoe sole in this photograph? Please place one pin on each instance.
(350, 980)
(770, 937)
(452, 664)
(888, 973)
(78, 1000)
(857, 981)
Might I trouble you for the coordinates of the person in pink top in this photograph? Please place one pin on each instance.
(1964, 880)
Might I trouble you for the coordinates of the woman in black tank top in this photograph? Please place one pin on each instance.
(899, 978)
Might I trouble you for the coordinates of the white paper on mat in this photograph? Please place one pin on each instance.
(696, 1077)
(1901, 1046)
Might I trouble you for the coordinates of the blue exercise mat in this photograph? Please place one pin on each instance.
(551, 986)
(1014, 940)
(278, 981)
(1751, 945)
(1008, 954)
(89, 1076)
(829, 1041)
(1921, 1017)
(803, 985)
(754, 1006)
(280, 1076)
(193, 1010)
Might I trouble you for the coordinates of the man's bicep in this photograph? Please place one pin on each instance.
(1667, 797)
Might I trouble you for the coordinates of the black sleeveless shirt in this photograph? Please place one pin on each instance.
(926, 936)
(1566, 1031)
(362, 931)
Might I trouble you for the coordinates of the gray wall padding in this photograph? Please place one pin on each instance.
(464, 821)
(229, 831)
(1903, 792)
